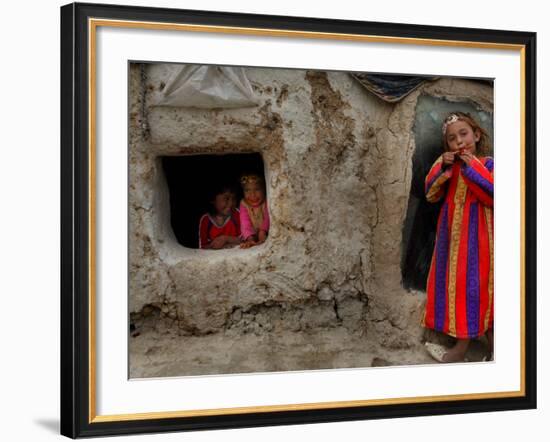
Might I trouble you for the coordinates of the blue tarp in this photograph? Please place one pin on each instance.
(391, 88)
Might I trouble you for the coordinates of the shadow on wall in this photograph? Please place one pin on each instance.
(421, 220)
(191, 180)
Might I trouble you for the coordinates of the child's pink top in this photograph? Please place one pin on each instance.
(247, 225)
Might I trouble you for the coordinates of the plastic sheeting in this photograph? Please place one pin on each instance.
(208, 87)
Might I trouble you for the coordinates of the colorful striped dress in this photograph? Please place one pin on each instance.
(460, 282)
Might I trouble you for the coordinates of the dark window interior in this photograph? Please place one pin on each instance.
(192, 179)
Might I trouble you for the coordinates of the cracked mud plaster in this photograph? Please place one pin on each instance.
(337, 166)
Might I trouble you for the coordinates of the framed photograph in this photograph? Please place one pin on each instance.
(272, 220)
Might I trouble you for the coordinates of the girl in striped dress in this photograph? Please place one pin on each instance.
(460, 282)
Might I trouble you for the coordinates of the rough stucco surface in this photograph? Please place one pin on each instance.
(325, 290)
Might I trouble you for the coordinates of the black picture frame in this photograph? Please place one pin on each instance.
(77, 417)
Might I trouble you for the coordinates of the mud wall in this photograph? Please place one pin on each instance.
(338, 172)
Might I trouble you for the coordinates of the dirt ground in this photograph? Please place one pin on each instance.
(162, 352)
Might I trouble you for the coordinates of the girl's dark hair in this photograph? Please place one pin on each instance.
(484, 143)
(217, 189)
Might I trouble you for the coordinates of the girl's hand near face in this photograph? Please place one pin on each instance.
(466, 156)
(448, 158)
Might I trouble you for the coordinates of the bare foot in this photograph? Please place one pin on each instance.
(458, 352)
(453, 356)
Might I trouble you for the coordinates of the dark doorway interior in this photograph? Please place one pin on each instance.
(420, 223)
(192, 179)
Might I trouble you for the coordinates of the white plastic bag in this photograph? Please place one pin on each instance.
(208, 87)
